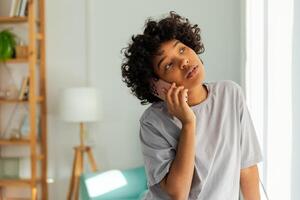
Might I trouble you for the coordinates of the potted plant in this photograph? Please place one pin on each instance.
(7, 44)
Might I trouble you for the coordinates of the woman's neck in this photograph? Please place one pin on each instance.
(197, 95)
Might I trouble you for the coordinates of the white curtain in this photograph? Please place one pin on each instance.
(269, 28)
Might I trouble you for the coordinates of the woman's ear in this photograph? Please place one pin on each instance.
(155, 76)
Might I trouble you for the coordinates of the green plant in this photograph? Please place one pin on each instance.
(7, 44)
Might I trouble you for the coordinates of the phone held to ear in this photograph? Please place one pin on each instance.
(157, 87)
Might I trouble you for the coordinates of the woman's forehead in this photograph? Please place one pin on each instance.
(167, 44)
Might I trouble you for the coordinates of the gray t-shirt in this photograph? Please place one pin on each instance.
(226, 143)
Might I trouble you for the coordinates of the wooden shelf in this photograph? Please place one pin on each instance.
(15, 182)
(18, 60)
(35, 61)
(10, 101)
(39, 157)
(8, 20)
(19, 198)
(14, 142)
(15, 61)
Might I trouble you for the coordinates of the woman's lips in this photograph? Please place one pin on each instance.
(192, 72)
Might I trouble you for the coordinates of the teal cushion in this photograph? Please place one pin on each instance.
(135, 183)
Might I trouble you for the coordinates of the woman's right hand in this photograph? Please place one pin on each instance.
(176, 98)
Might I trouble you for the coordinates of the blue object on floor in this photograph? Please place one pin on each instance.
(130, 184)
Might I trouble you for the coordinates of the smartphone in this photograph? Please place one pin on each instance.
(157, 87)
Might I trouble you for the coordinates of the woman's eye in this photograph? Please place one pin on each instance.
(181, 50)
(168, 66)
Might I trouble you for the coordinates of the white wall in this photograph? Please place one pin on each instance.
(65, 42)
(111, 24)
(296, 104)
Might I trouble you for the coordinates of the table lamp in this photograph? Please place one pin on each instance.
(80, 105)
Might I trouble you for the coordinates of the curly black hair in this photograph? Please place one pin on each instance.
(138, 56)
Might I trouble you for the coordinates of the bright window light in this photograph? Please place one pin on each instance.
(105, 182)
(280, 29)
(256, 72)
(269, 28)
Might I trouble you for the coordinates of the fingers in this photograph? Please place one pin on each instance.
(169, 94)
(176, 95)
(183, 96)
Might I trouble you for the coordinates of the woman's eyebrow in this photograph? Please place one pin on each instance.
(158, 65)
(162, 52)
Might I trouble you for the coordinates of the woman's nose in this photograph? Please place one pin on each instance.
(184, 63)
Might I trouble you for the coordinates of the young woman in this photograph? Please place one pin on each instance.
(199, 142)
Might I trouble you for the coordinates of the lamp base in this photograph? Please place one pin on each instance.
(78, 169)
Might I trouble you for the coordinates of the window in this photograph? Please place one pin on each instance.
(269, 28)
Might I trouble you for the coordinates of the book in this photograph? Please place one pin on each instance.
(21, 93)
(12, 8)
(26, 9)
(24, 88)
(23, 8)
(26, 92)
(17, 9)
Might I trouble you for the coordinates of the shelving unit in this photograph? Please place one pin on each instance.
(39, 99)
(14, 142)
(7, 20)
(15, 182)
(16, 61)
(36, 46)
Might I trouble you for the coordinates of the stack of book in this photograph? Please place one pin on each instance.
(18, 8)
(24, 90)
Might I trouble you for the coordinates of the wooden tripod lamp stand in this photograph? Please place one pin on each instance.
(80, 105)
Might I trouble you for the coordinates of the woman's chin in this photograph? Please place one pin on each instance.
(195, 82)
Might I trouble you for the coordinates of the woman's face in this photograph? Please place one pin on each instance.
(178, 63)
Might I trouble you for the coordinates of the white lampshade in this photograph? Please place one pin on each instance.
(80, 104)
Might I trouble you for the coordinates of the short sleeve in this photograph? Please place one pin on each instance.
(250, 149)
(157, 152)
